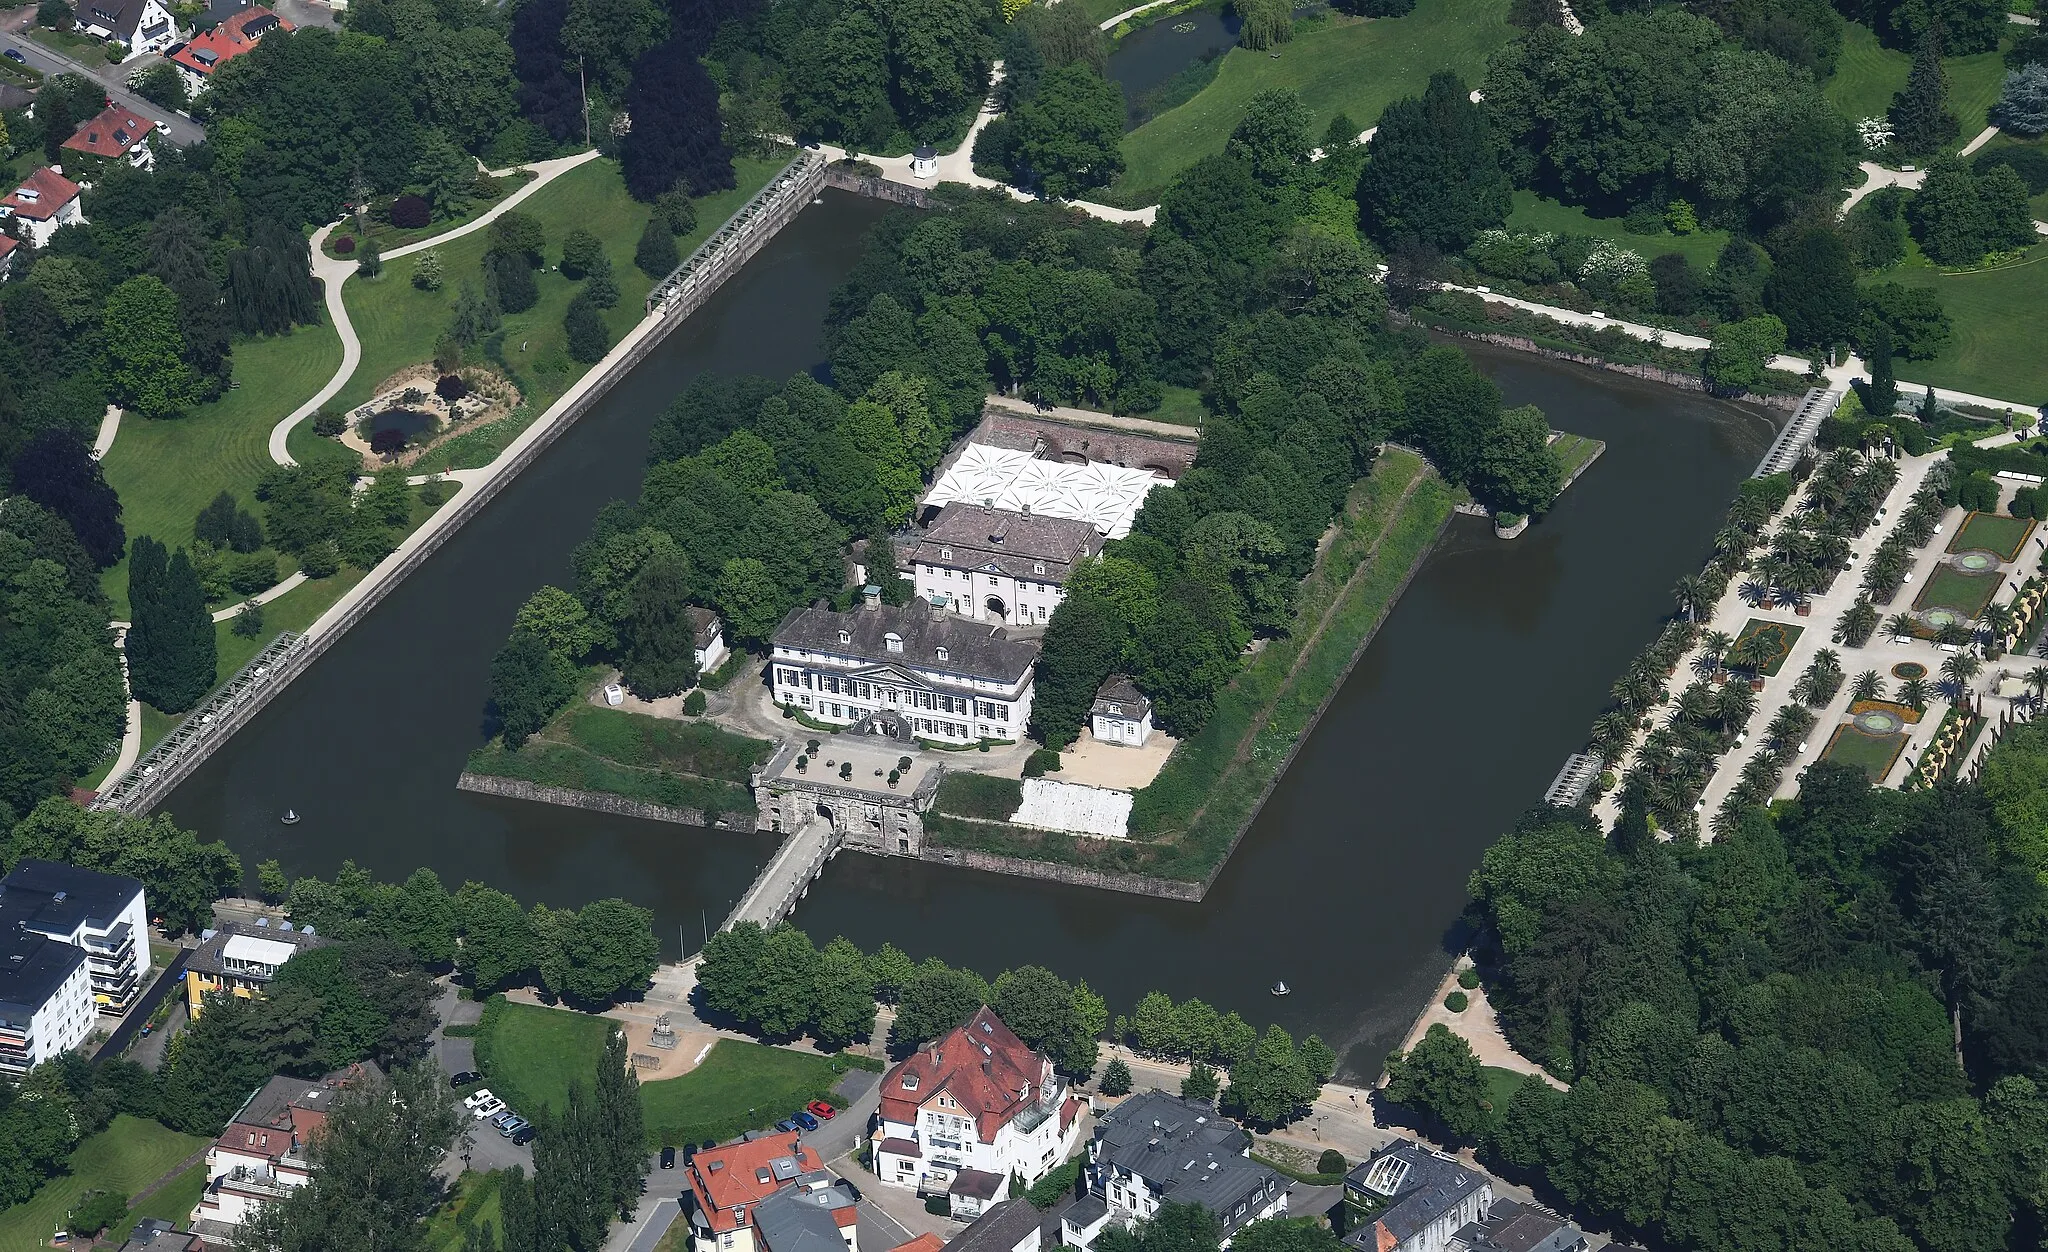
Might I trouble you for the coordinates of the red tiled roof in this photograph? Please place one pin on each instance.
(729, 1181)
(923, 1243)
(987, 1070)
(228, 40)
(112, 133)
(40, 195)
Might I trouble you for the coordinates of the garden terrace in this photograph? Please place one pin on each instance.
(1990, 532)
(654, 760)
(1874, 753)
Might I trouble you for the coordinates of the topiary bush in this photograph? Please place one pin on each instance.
(450, 387)
(1041, 762)
(1468, 979)
(1332, 1162)
(1456, 1002)
(344, 245)
(938, 1205)
(693, 704)
(410, 212)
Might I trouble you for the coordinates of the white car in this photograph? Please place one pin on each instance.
(479, 1096)
(489, 1108)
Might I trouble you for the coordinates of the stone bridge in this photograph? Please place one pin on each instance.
(788, 875)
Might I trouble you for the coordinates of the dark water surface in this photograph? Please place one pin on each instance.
(1146, 58)
(1485, 676)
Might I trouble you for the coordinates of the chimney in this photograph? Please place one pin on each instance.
(871, 597)
(938, 608)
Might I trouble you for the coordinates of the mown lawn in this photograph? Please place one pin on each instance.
(390, 238)
(1996, 348)
(166, 471)
(127, 1156)
(529, 1056)
(1354, 67)
(477, 1199)
(739, 1087)
(173, 1203)
(1868, 75)
(398, 323)
(1533, 212)
(1873, 753)
(1993, 532)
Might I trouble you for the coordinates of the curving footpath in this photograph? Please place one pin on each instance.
(334, 273)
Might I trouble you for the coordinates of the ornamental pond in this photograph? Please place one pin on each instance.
(1348, 886)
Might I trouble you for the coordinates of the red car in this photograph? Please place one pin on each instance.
(820, 1110)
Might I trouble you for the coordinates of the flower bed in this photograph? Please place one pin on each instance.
(1909, 670)
(1993, 533)
(1783, 633)
(1906, 712)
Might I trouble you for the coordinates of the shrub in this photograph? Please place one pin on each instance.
(450, 387)
(248, 620)
(676, 212)
(344, 245)
(251, 572)
(1041, 762)
(656, 253)
(371, 263)
(1468, 978)
(1047, 1191)
(1456, 1002)
(387, 442)
(585, 331)
(1332, 1162)
(2026, 502)
(938, 1205)
(693, 704)
(582, 252)
(410, 212)
(321, 560)
(485, 187)
(328, 423)
(426, 270)
(96, 1211)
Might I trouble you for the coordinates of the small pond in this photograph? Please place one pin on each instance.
(412, 423)
(1147, 61)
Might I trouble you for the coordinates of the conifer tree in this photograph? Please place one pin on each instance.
(1881, 394)
(190, 650)
(144, 645)
(1920, 116)
(619, 1114)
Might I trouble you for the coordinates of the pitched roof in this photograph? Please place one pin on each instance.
(120, 16)
(111, 134)
(983, 1066)
(1418, 1185)
(1002, 1228)
(806, 1215)
(40, 195)
(212, 954)
(973, 650)
(729, 1181)
(1120, 697)
(8, 244)
(972, 536)
(704, 625)
(294, 1109)
(1186, 1150)
(209, 50)
(926, 1242)
(1513, 1227)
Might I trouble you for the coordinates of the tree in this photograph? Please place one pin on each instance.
(1451, 410)
(2022, 107)
(1917, 326)
(57, 15)
(145, 349)
(1292, 1234)
(372, 1169)
(582, 253)
(96, 1211)
(656, 252)
(1116, 1078)
(1272, 136)
(583, 326)
(1068, 135)
(1517, 470)
(935, 1000)
(1742, 351)
(510, 278)
(498, 943)
(1812, 288)
(183, 876)
(57, 471)
(1038, 1006)
(618, 1111)
(844, 1001)
(1201, 1083)
(1920, 116)
(172, 651)
(1441, 1078)
(1272, 1086)
(445, 173)
(560, 620)
(676, 137)
(179, 255)
(1083, 643)
(660, 639)
(1432, 170)
(426, 270)
(529, 682)
(1881, 392)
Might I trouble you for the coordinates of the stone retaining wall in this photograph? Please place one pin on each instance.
(876, 187)
(1072, 875)
(596, 801)
(1649, 373)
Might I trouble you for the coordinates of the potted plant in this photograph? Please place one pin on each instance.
(802, 762)
(894, 776)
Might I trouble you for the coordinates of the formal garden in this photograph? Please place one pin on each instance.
(1991, 534)
(1772, 646)
(1958, 590)
(1872, 737)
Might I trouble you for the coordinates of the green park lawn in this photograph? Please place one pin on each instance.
(1993, 532)
(1868, 75)
(1995, 350)
(739, 1087)
(689, 765)
(390, 238)
(1533, 212)
(531, 1055)
(398, 323)
(78, 47)
(476, 1199)
(166, 471)
(1874, 753)
(1950, 588)
(1785, 633)
(173, 1202)
(1573, 451)
(130, 1154)
(1501, 1085)
(1354, 67)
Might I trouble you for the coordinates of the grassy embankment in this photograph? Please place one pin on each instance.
(529, 1056)
(683, 764)
(1185, 822)
(389, 238)
(1868, 75)
(1351, 66)
(1532, 212)
(130, 1154)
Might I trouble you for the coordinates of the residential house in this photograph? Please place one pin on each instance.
(999, 565)
(1011, 1226)
(707, 635)
(119, 133)
(1156, 1149)
(262, 1154)
(102, 915)
(241, 961)
(1121, 714)
(8, 244)
(154, 1234)
(201, 58)
(1511, 1226)
(139, 26)
(962, 1114)
(44, 201)
(45, 1000)
(918, 672)
(731, 1199)
(1409, 1198)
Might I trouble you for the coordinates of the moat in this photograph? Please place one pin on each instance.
(1486, 674)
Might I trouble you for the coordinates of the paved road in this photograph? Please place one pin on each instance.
(487, 1149)
(181, 130)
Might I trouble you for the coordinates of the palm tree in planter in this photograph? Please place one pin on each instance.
(1694, 707)
(2037, 678)
(1913, 694)
(1900, 626)
(1687, 591)
(1999, 623)
(1957, 671)
(1753, 654)
(1613, 731)
(1858, 621)
(1733, 708)
(1714, 647)
(1762, 773)
(1867, 686)
(1954, 635)
(1633, 691)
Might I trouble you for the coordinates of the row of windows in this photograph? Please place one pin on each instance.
(1022, 584)
(946, 554)
(861, 689)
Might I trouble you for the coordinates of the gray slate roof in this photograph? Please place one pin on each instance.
(1120, 697)
(1012, 542)
(972, 648)
(53, 897)
(31, 968)
(1186, 1150)
(1000, 1229)
(206, 958)
(1513, 1227)
(1429, 1184)
(799, 1219)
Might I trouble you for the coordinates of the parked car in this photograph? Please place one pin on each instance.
(14, 54)
(489, 1108)
(806, 1121)
(465, 1078)
(507, 1116)
(513, 1126)
(821, 1110)
(689, 1153)
(474, 1098)
(668, 1158)
(524, 1135)
(785, 1124)
(707, 1145)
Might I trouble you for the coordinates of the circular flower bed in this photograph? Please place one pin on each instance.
(1909, 669)
(1938, 618)
(1878, 722)
(1976, 561)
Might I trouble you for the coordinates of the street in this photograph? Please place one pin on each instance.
(180, 130)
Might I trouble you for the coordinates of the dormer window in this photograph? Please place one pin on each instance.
(846, 636)
(945, 554)
(1038, 567)
(893, 641)
(910, 1082)
(944, 654)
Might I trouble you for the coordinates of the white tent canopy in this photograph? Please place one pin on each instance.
(1105, 496)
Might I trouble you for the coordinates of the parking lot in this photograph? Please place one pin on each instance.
(481, 1146)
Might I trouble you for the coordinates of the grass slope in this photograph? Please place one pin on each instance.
(127, 1156)
(739, 1087)
(1868, 75)
(165, 472)
(690, 765)
(1533, 212)
(1353, 67)
(530, 1055)
(1996, 348)
(398, 323)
